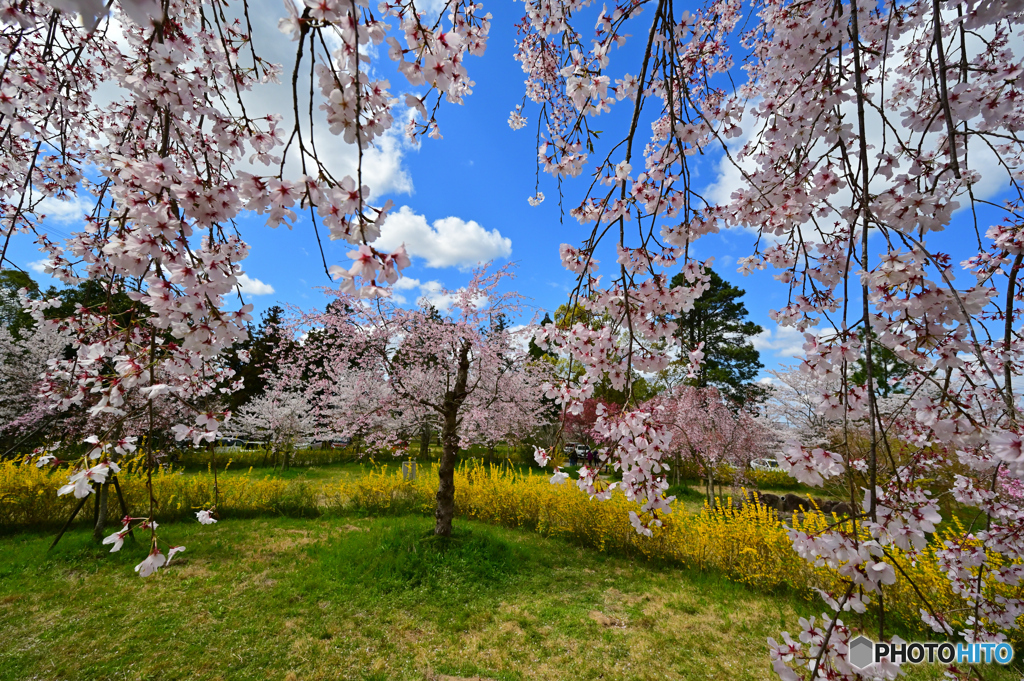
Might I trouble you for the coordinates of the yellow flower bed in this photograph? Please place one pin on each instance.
(28, 495)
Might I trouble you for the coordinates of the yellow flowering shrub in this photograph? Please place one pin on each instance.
(28, 495)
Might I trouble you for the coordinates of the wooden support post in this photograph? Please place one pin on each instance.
(68, 523)
(124, 506)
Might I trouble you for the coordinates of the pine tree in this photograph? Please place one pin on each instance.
(265, 344)
(719, 320)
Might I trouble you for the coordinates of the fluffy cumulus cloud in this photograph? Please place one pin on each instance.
(69, 211)
(430, 292)
(254, 287)
(404, 284)
(449, 242)
(784, 341)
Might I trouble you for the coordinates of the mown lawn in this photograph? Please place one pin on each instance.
(373, 599)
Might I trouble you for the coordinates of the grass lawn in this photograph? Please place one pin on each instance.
(377, 599)
(326, 473)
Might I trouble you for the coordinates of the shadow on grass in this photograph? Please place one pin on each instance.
(405, 557)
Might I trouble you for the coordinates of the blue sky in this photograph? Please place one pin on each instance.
(464, 198)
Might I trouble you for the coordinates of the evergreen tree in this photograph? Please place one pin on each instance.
(887, 370)
(12, 316)
(265, 345)
(719, 320)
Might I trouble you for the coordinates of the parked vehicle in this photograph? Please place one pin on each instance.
(765, 465)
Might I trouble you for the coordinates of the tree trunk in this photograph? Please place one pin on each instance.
(425, 441)
(453, 400)
(446, 472)
(101, 512)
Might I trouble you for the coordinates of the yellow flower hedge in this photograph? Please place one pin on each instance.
(28, 495)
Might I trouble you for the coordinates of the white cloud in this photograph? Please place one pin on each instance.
(433, 292)
(730, 175)
(403, 284)
(38, 266)
(521, 335)
(785, 341)
(68, 212)
(450, 242)
(406, 284)
(254, 287)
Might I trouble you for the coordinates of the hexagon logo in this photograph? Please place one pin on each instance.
(862, 652)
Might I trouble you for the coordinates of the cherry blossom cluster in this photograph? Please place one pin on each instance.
(858, 132)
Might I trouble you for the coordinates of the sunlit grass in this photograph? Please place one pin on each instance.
(371, 599)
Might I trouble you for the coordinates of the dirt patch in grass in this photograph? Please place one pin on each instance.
(607, 621)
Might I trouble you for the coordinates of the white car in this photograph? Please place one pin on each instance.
(765, 465)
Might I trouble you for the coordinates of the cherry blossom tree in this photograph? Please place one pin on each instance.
(706, 430)
(854, 133)
(579, 427)
(279, 417)
(23, 362)
(794, 402)
(139, 110)
(384, 366)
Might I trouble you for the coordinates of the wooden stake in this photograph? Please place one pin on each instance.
(68, 523)
(124, 506)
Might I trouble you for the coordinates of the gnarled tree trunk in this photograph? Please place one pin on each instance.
(425, 441)
(453, 401)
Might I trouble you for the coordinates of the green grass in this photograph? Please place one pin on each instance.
(374, 598)
(320, 473)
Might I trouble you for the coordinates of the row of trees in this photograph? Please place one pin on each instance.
(717, 320)
(287, 385)
(382, 374)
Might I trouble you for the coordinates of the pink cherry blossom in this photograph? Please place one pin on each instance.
(152, 562)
